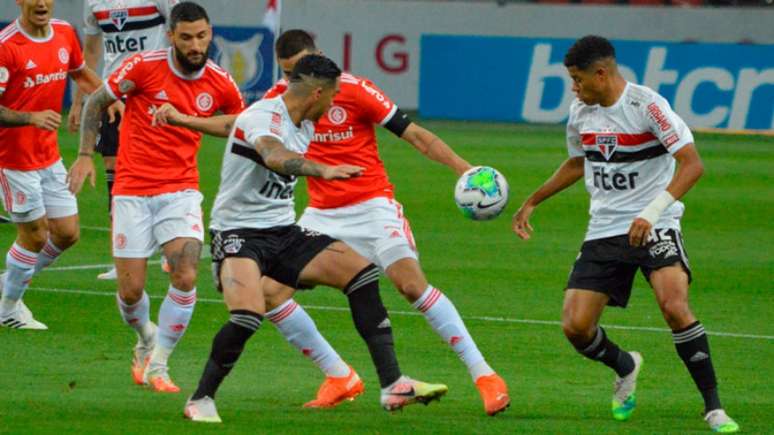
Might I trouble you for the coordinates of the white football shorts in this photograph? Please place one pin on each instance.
(141, 224)
(375, 229)
(31, 195)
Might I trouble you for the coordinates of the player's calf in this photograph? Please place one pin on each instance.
(227, 346)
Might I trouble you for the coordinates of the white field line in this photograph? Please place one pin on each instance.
(88, 227)
(205, 255)
(414, 313)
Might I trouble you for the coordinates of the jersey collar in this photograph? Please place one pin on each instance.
(32, 38)
(180, 74)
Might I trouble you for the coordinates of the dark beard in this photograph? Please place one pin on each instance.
(188, 66)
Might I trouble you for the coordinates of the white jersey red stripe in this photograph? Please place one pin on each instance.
(628, 150)
(127, 27)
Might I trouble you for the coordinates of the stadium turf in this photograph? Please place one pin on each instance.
(75, 377)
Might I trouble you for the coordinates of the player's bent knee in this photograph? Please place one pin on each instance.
(184, 278)
(676, 312)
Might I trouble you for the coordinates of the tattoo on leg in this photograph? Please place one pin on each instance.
(188, 255)
(230, 281)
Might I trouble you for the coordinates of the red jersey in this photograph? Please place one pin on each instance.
(346, 135)
(156, 160)
(33, 78)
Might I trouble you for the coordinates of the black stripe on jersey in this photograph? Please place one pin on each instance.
(252, 154)
(133, 25)
(620, 157)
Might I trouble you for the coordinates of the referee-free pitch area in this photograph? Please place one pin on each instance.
(75, 377)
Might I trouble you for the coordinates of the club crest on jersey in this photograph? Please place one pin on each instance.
(119, 17)
(337, 115)
(607, 143)
(64, 56)
(204, 101)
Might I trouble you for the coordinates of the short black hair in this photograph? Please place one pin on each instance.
(587, 50)
(188, 12)
(315, 66)
(292, 42)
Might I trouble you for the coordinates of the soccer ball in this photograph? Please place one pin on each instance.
(481, 193)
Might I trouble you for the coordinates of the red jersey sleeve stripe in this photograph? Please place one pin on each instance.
(623, 138)
(133, 12)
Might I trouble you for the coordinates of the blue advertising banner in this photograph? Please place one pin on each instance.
(728, 86)
(247, 53)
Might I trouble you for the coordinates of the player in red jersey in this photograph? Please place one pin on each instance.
(37, 55)
(156, 197)
(363, 212)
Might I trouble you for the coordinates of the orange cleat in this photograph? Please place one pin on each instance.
(138, 369)
(159, 381)
(335, 390)
(494, 393)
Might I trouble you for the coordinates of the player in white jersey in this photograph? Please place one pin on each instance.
(626, 140)
(255, 235)
(124, 27)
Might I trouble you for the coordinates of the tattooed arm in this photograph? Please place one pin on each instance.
(280, 159)
(92, 116)
(47, 119)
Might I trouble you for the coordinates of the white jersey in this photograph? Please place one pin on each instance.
(628, 150)
(127, 27)
(252, 195)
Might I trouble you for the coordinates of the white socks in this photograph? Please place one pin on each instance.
(137, 316)
(20, 266)
(299, 330)
(174, 316)
(446, 321)
(47, 255)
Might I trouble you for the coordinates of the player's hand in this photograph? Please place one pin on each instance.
(74, 117)
(80, 170)
(341, 172)
(167, 114)
(639, 232)
(114, 109)
(47, 120)
(520, 221)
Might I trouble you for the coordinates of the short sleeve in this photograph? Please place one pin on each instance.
(76, 52)
(278, 89)
(165, 8)
(374, 103)
(90, 24)
(260, 123)
(129, 71)
(574, 144)
(233, 104)
(6, 66)
(667, 125)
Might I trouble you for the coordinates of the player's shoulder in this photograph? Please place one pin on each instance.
(58, 24)
(9, 32)
(218, 72)
(159, 55)
(579, 109)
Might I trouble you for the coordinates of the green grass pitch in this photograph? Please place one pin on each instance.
(75, 377)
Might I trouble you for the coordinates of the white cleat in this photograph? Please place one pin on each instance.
(21, 318)
(720, 422)
(202, 410)
(406, 391)
(624, 399)
(109, 275)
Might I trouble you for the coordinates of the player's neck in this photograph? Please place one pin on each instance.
(616, 89)
(33, 30)
(295, 108)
